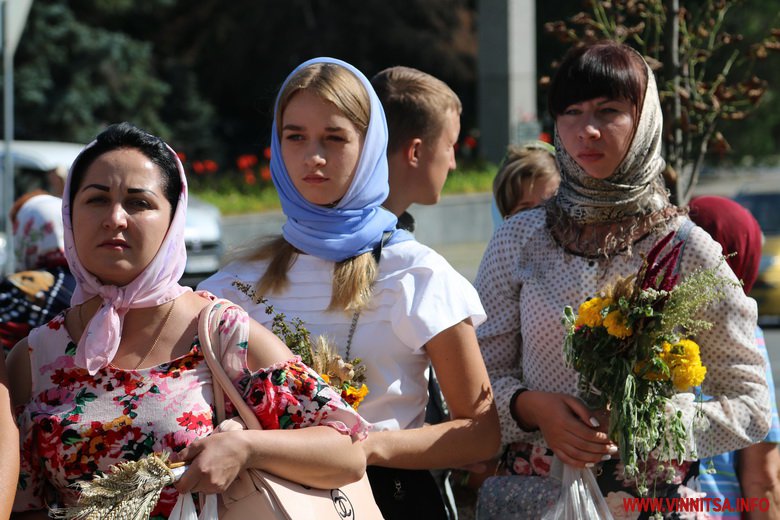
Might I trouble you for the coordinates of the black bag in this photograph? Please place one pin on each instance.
(402, 494)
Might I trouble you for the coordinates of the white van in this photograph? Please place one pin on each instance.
(33, 162)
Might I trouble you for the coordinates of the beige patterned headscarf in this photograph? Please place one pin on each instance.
(625, 205)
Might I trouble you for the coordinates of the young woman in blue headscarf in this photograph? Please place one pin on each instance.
(343, 268)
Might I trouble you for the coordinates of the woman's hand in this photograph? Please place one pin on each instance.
(759, 476)
(575, 433)
(214, 462)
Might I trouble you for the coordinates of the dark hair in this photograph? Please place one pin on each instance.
(125, 135)
(604, 69)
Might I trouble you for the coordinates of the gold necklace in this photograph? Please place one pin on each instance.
(156, 339)
(81, 318)
(159, 333)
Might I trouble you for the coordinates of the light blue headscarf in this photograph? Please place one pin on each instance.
(356, 224)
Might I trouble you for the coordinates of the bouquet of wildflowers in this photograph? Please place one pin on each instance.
(346, 375)
(633, 347)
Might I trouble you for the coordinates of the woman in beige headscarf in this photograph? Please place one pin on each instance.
(611, 208)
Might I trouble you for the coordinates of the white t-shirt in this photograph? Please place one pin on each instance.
(417, 294)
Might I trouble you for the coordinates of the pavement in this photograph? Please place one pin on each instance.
(463, 256)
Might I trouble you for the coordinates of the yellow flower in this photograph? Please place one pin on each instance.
(684, 362)
(691, 350)
(686, 375)
(354, 396)
(589, 312)
(616, 325)
(325, 377)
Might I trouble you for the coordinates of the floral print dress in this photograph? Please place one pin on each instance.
(76, 425)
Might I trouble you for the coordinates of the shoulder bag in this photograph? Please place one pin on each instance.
(260, 495)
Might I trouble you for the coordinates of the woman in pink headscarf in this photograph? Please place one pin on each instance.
(120, 374)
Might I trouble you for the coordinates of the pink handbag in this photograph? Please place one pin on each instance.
(259, 495)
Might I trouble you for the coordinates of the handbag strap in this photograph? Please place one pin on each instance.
(221, 383)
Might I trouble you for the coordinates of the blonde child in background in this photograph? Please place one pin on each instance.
(526, 177)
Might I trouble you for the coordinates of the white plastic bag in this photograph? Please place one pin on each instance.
(210, 509)
(184, 509)
(580, 497)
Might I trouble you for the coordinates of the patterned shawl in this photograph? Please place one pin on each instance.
(623, 207)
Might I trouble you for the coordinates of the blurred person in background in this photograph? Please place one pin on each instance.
(526, 177)
(56, 178)
(43, 284)
(752, 472)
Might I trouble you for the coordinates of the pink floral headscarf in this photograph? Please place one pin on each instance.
(38, 234)
(156, 285)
